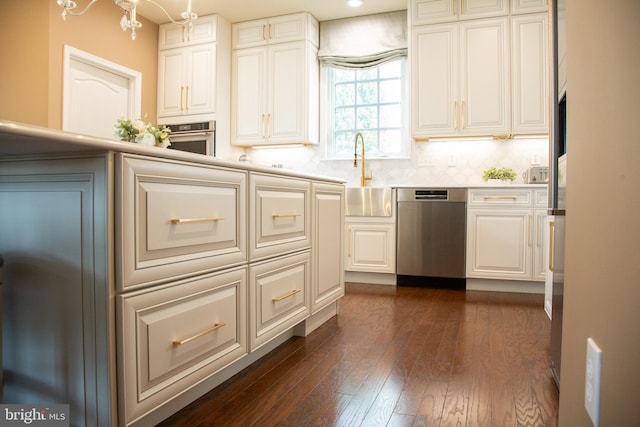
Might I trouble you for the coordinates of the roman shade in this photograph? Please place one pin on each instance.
(364, 41)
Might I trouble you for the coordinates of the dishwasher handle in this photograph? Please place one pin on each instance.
(431, 195)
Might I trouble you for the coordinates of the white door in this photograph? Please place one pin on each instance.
(96, 93)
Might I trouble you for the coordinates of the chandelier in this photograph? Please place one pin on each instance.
(129, 19)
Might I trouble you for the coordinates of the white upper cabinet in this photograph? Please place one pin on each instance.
(528, 6)
(191, 67)
(473, 9)
(279, 29)
(434, 80)
(460, 79)
(478, 77)
(186, 79)
(530, 71)
(485, 81)
(203, 31)
(275, 86)
(432, 11)
(435, 11)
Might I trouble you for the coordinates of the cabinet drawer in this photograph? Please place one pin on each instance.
(279, 218)
(177, 220)
(174, 337)
(500, 196)
(540, 198)
(279, 296)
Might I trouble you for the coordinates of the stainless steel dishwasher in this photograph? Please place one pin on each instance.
(431, 236)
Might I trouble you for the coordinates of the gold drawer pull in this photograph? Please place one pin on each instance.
(290, 294)
(501, 197)
(215, 327)
(187, 220)
(286, 215)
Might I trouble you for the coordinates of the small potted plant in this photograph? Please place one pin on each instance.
(499, 175)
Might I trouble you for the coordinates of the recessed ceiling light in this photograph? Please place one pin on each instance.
(355, 3)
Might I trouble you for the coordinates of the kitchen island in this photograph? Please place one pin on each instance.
(138, 278)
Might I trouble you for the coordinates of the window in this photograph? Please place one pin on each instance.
(370, 100)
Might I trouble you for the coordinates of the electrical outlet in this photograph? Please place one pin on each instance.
(535, 159)
(452, 161)
(592, 381)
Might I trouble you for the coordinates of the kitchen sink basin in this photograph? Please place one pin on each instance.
(368, 201)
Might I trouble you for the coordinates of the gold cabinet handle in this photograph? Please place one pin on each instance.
(455, 114)
(263, 126)
(350, 235)
(283, 297)
(215, 327)
(290, 215)
(552, 226)
(529, 230)
(181, 97)
(264, 28)
(186, 99)
(189, 220)
(269, 125)
(463, 115)
(270, 37)
(500, 197)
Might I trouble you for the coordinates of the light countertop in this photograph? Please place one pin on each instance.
(19, 139)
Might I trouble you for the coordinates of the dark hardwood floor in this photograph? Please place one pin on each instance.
(400, 356)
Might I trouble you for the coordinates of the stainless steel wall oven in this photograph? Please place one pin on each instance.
(199, 137)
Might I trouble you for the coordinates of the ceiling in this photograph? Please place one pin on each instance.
(244, 10)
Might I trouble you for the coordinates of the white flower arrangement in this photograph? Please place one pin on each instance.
(142, 133)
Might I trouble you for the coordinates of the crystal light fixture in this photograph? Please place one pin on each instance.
(129, 19)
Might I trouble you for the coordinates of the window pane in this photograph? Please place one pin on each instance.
(370, 141)
(368, 74)
(390, 91)
(367, 93)
(345, 118)
(390, 141)
(391, 69)
(370, 101)
(367, 118)
(390, 116)
(341, 75)
(345, 94)
(344, 142)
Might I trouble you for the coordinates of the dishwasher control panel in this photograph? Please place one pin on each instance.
(432, 194)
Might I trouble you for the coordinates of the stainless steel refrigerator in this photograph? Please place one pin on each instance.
(557, 181)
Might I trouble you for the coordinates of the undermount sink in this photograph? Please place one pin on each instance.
(368, 201)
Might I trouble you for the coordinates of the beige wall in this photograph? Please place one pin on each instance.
(31, 86)
(602, 282)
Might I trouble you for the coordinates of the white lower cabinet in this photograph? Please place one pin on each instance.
(176, 219)
(327, 284)
(505, 234)
(279, 215)
(278, 296)
(174, 336)
(371, 247)
(155, 276)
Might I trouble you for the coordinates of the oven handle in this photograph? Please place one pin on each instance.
(190, 135)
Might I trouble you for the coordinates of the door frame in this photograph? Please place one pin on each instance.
(134, 77)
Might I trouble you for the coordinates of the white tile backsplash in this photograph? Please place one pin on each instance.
(441, 163)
